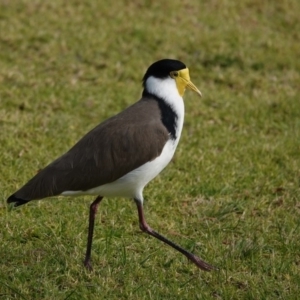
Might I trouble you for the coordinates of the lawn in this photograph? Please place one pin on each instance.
(232, 192)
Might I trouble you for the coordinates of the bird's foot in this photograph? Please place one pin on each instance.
(201, 263)
(88, 265)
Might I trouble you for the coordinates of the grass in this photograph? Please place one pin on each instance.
(231, 193)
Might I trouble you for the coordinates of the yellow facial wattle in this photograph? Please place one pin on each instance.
(183, 81)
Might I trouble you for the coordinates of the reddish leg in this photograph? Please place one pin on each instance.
(93, 211)
(146, 228)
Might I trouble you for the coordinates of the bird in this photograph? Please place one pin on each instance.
(121, 155)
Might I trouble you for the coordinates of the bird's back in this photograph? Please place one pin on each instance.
(106, 153)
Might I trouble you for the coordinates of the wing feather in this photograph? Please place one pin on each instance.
(106, 153)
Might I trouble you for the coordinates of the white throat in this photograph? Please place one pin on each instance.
(166, 89)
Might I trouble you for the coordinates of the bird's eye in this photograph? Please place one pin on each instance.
(174, 74)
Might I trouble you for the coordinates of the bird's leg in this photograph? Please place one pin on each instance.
(146, 228)
(93, 211)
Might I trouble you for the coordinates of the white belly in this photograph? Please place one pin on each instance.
(132, 184)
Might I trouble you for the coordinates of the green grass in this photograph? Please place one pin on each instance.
(231, 194)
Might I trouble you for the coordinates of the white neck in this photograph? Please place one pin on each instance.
(166, 90)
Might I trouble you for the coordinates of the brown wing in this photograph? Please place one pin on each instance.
(109, 151)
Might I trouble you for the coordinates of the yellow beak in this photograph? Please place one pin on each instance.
(183, 81)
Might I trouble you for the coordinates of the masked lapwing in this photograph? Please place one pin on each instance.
(121, 155)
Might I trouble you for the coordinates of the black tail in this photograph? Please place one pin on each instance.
(16, 201)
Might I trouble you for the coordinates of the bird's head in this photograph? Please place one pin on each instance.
(174, 70)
